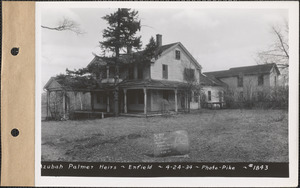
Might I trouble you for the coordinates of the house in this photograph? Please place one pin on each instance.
(162, 84)
(212, 90)
(249, 81)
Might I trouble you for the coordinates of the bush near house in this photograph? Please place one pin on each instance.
(276, 98)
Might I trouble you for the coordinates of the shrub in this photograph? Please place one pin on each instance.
(277, 97)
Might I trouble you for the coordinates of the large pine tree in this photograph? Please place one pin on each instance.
(121, 32)
(121, 35)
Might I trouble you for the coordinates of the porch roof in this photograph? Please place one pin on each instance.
(67, 83)
(209, 80)
(155, 84)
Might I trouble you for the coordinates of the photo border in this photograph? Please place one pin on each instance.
(185, 181)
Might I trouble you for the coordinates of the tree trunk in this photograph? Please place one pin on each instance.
(117, 49)
(116, 101)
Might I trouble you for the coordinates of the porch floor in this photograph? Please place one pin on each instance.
(91, 113)
(150, 114)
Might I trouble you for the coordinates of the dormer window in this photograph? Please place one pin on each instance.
(177, 54)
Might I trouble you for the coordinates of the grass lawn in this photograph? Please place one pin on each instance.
(214, 135)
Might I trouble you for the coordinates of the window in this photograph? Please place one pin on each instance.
(241, 96)
(177, 54)
(196, 97)
(130, 72)
(99, 98)
(192, 96)
(275, 81)
(221, 96)
(165, 71)
(130, 99)
(111, 72)
(140, 97)
(103, 74)
(165, 95)
(240, 81)
(209, 95)
(140, 72)
(261, 80)
(189, 74)
(131, 96)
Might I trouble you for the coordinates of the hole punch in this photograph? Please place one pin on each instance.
(15, 132)
(14, 51)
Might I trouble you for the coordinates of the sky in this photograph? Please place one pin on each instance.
(217, 38)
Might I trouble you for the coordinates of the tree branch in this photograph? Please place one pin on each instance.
(66, 25)
(281, 41)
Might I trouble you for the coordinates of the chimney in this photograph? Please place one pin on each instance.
(159, 40)
(129, 49)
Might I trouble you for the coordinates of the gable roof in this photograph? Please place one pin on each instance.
(98, 60)
(161, 50)
(70, 83)
(166, 48)
(50, 82)
(247, 70)
(208, 80)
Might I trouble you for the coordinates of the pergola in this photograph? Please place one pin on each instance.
(56, 85)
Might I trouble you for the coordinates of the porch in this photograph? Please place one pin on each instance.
(65, 100)
(155, 97)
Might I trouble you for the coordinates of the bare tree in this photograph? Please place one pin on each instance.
(66, 25)
(278, 51)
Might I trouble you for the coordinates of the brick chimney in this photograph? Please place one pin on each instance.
(159, 40)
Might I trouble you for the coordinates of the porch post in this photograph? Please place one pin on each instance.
(107, 103)
(125, 100)
(176, 107)
(145, 101)
(64, 104)
(186, 100)
(107, 72)
(92, 100)
(199, 102)
(48, 104)
(55, 103)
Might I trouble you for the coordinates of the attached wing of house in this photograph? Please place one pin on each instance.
(246, 70)
(212, 91)
(248, 81)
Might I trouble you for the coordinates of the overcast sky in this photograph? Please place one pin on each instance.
(217, 38)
